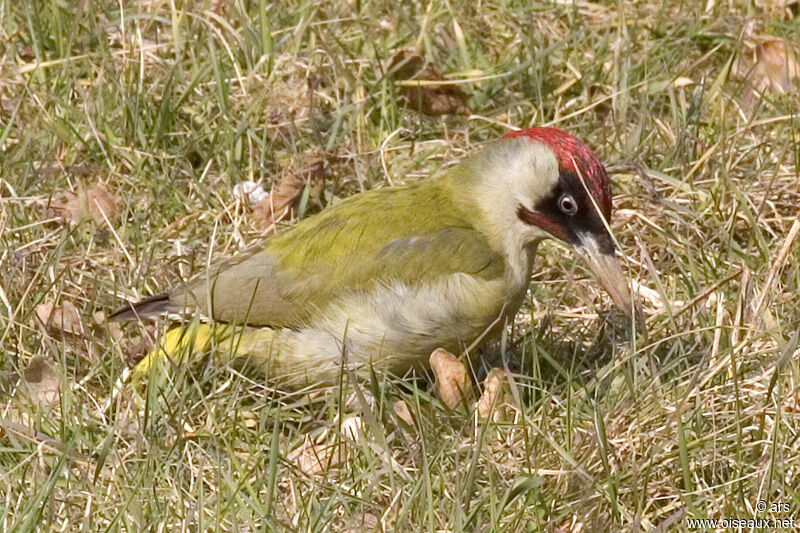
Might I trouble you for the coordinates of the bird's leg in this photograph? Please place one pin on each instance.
(495, 355)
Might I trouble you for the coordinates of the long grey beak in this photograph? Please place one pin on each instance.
(605, 267)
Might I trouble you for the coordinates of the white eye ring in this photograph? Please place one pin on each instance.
(567, 204)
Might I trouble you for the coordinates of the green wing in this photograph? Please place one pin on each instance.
(380, 237)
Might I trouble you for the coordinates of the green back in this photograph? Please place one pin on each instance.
(413, 235)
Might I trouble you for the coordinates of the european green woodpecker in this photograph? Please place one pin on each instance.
(382, 279)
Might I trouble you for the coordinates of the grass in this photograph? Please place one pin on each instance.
(168, 104)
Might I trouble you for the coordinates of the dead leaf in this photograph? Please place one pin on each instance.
(277, 204)
(274, 208)
(495, 400)
(64, 205)
(42, 383)
(311, 458)
(317, 457)
(452, 380)
(114, 330)
(102, 206)
(97, 203)
(427, 96)
(26, 53)
(400, 408)
(60, 319)
(769, 65)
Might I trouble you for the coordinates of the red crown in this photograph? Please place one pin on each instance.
(574, 156)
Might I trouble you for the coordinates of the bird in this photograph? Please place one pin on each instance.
(380, 280)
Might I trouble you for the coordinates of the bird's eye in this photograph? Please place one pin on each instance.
(567, 205)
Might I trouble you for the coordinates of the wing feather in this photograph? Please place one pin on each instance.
(288, 281)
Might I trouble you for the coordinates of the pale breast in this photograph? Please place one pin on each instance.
(396, 327)
(392, 328)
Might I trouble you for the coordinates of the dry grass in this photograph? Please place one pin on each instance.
(168, 104)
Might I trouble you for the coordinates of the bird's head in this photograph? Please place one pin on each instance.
(542, 183)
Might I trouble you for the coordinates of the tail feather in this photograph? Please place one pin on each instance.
(185, 343)
(180, 344)
(276, 353)
(152, 306)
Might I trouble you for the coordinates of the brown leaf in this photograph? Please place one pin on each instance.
(428, 98)
(102, 205)
(60, 319)
(42, 383)
(73, 208)
(276, 206)
(770, 65)
(315, 458)
(495, 400)
(400, 408)
(26, 53)
(311, 458)
(452, 380)
(114, 330)
(64, 205)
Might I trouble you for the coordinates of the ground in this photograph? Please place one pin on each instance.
(126, 126)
